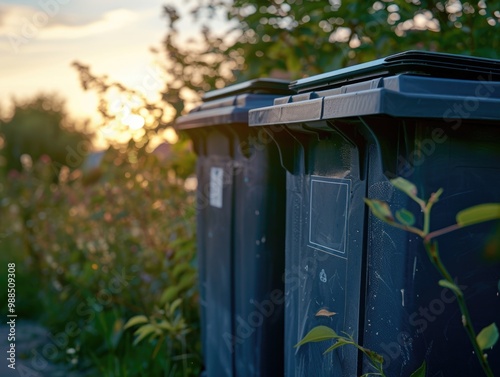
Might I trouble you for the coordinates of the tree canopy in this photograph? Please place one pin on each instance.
(297, 38)
(239, 40)
(39, 126)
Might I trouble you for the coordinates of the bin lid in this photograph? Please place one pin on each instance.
(231, 105)
(256, 86)
(412, 62)
(398, 93)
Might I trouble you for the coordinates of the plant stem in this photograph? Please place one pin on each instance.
(442, 231)
(433, 253)
(427, 210)
(376, 363)
(427, 220)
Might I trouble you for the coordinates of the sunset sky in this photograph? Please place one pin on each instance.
(40, 38)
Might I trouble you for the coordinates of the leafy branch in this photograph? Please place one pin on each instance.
(322, 333)
(405, 220)
(470, 216)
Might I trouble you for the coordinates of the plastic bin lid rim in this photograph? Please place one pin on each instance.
(257, 86)
(413, 61)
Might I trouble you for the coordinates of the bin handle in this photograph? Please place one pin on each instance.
(384, 150)
(359, 136)
(287, 144)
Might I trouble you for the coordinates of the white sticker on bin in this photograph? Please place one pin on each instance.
(328, 214)
(216, 187)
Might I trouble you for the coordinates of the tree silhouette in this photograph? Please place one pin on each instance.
(40, 127)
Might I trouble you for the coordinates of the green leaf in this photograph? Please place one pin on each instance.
(165, 325)
(145, 331)
(380, 209)
(453, 287)
(136, 320)
(421, 371)
(180, 269)
(175, 305)
(341, 342)
(406, 186)
(487, 337)
(405, 217)
(318, 334)
(169, 294)
(187, 281)
(478, 214)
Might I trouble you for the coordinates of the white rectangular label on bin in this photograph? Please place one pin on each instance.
(328, 214)
(216, 186)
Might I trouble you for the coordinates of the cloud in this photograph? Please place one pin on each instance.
(30, 22)
(111, 20)
(12, 16)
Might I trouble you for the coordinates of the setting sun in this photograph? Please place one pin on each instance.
(134, 121)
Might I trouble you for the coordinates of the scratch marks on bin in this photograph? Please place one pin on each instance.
(390, 239)
(414, 267)
(338, 281)
(377, 275)
(407, 349)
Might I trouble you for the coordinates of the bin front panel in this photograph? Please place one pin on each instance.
(215, 216)
(241, 235)
(409, 317)
(323, 252)
(259, 264)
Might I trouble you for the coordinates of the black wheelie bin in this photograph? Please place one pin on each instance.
(240, 231)
(433, 119)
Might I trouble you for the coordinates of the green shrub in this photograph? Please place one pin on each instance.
(91, 256)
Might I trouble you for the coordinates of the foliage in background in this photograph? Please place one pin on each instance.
(40, 126)
(296, 38)
(100, 254)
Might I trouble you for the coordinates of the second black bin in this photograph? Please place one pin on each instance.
(240, 232)
(433, 119)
